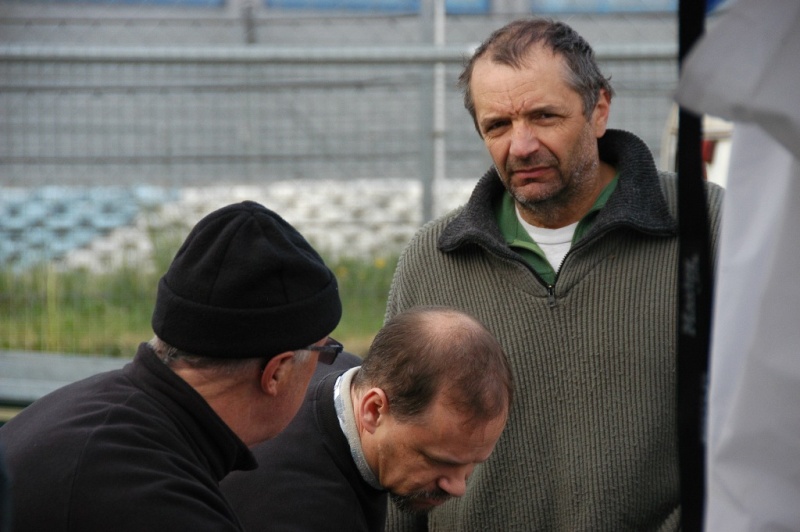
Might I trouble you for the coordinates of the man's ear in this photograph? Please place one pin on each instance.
(276, 372)
(601, 113)
(372, 409)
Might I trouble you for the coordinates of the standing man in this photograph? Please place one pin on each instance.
(567, 250)
(428, 403)
(241, 317)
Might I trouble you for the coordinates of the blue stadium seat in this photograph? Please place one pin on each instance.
(46, 223)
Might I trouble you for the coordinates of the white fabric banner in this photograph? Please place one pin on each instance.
(747, 70)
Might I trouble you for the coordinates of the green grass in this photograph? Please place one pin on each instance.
(109, 314)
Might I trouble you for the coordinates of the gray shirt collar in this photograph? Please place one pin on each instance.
(343, 402)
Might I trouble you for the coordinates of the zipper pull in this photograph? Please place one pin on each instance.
(551, 295)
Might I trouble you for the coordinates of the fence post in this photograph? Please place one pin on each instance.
(432, 127)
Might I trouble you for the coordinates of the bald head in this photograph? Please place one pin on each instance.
(428, 350)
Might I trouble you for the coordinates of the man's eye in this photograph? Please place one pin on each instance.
(493, 127)
(546, 116)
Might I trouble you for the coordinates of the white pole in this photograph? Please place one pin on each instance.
(439, 145)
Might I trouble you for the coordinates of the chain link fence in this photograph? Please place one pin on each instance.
(123, 123)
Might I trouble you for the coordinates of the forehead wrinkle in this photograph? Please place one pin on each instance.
(521, 92)
(502, 101)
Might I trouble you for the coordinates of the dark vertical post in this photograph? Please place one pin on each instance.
(695, 290)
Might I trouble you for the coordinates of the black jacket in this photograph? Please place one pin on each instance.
(128, 450)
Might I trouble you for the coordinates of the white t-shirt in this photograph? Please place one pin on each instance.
(555, 243)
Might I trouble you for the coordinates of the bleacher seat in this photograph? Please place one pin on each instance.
(43, 224)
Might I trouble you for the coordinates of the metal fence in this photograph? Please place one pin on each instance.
(158, 107)
(89, 116)
(170, 115)
(187, 118)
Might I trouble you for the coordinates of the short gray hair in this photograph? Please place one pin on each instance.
(169, 355)
(510, 45)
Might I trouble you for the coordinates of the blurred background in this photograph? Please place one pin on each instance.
(123, 122)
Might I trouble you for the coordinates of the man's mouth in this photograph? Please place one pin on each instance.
(421, 501)
(529, 173)
(430, 502)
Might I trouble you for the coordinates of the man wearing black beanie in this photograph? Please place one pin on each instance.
(241, 318)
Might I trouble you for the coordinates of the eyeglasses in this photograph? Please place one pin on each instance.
(327, 352)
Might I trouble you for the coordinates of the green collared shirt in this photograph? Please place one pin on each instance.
(518, 238)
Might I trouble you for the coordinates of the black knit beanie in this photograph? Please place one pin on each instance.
(245, 284)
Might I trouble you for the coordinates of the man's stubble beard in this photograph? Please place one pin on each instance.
(405, 503)
(549, 207)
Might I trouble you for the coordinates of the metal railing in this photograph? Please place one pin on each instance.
(177, 115)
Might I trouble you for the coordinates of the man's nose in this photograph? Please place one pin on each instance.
(524, 141)
(455, 483)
